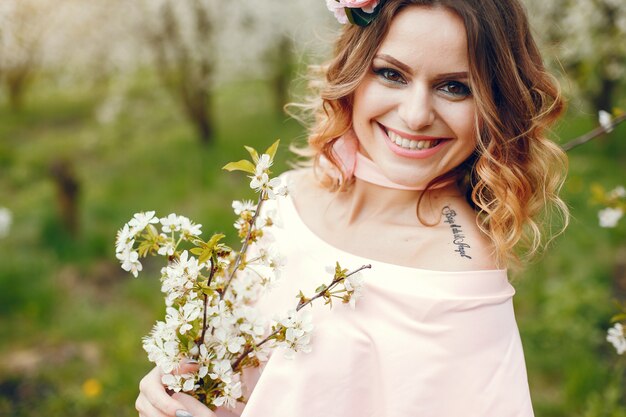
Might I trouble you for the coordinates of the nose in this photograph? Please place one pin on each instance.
(416, 108)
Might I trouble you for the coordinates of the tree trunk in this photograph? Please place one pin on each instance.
(282, 63)
(204, 126)
(68, 189)
(16, 84)
(197, 102)
(604, 99)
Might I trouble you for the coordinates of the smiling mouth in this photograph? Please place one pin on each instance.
(412, 144)
(422, 143)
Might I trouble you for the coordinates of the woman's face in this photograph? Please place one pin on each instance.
(414, 111)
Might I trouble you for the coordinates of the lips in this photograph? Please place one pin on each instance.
(412, 146)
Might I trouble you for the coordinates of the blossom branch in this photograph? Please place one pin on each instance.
(237, 363)
(206, 303)
(244, 247)
(599, 131)
(335, 281)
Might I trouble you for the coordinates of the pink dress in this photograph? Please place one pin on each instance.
(419, 343)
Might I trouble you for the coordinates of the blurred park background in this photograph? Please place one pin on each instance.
(109, 107)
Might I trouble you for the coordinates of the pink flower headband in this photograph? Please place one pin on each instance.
(357, 12)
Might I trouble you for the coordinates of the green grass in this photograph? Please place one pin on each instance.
(68, 314)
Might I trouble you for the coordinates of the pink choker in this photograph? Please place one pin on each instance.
(346, 148)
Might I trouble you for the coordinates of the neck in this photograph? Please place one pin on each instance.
(396, 206)
(366, 170)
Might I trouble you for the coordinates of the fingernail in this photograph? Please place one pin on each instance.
(191, 361)
(183, 413)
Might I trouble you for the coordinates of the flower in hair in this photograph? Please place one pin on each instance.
(358, 12)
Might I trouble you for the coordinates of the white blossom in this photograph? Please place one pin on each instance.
(6, 219)
(272, 257)
(141, 220)
(205, 358)
(179, 382)
(233, 325)
(179, 277)
(610, 216)
(252, 322)
(276, 188)
(184, 316)
(270, 218)
(125, 239)
(240, 223)
(231, 392)
(298, 328)
(222, 316)
(354, 285)
(189, 228)
(227, 342)
(162, 346)
(242, 206)
(617, 192)
(167, 248)
(264, 163)
(171, 223)
(245, 286)
(221, 370)
(606, 121)
(273, 187)
(130, 261)
(615, 335)
(259, 181)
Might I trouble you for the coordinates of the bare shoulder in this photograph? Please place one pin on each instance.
(461, 244)
(304, 187)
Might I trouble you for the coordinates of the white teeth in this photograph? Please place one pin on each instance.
(411, 144)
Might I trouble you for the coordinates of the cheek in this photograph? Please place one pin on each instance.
(461, 119)
(370, 100)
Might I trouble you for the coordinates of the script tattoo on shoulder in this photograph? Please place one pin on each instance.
(457, 233)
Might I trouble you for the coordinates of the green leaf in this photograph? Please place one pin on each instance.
(146, 247)
(214, 240)
(360, 18)
(321, 288)
(243, 165)
(196, 251)
(205, 256)
(618, 317)
(253, 153)
(271, 151)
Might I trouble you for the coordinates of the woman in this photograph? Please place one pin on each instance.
(430, 163)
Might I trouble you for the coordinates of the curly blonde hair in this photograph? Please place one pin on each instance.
(514, 176)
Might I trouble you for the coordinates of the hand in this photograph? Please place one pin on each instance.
(154, 401)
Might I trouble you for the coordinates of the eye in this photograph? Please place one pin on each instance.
(455, 89)
(390, 75)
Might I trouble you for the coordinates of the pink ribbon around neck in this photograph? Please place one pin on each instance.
(354, 163)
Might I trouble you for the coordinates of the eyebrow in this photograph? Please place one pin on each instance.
(406, 68)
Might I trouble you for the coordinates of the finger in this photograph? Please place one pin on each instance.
(195, 407)
(187, 367)
(154, 392)
(146, 409)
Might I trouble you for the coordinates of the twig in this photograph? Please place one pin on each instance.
(599, 131)
(248, 349)
(244, 247)
(335, 281)
(206, 302)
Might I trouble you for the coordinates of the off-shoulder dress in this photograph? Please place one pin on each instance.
(420, 343)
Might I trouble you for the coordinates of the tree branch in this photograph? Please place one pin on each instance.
(599, 131)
